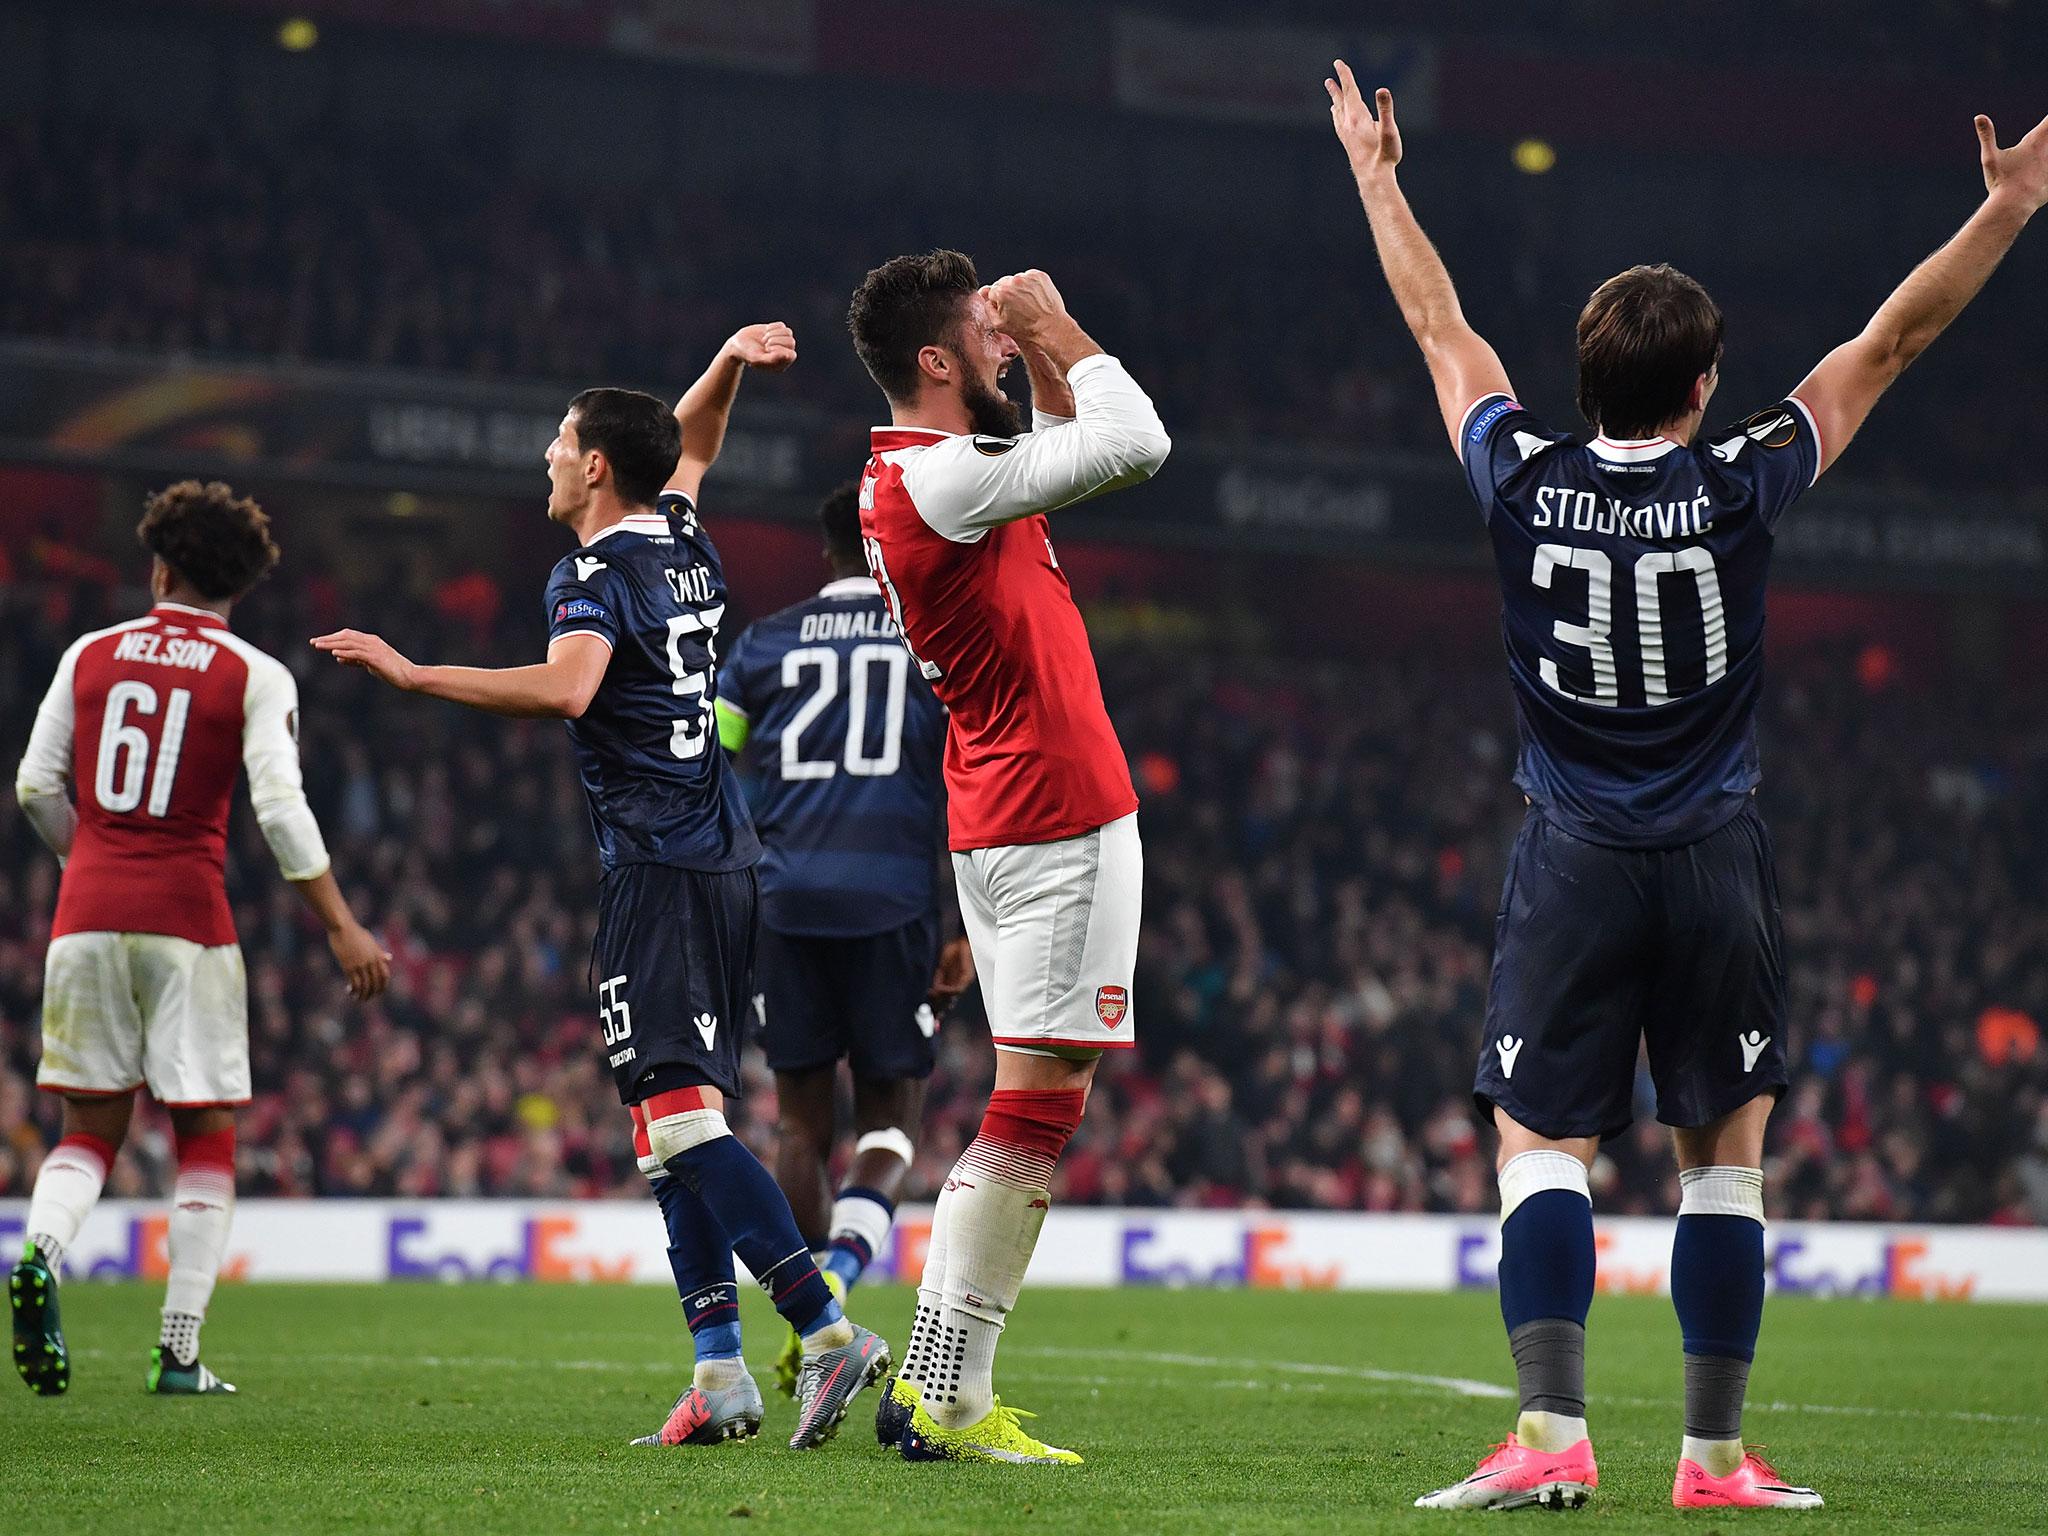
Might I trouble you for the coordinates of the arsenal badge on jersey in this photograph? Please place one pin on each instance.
(1111, 1004)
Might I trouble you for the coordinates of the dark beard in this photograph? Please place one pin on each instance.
(993, 413)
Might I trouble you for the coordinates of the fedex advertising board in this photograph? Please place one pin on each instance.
(623, 1241)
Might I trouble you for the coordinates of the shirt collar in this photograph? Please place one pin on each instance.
(205, 618)
(1632, 450)
(850, 586)
(886, 439)
(653, 524)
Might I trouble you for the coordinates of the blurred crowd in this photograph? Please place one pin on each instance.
(1324, 845)
(197, 239)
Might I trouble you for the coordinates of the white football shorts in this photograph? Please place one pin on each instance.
(124, 1009)
(1054, 928)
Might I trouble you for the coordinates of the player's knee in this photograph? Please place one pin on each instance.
(1531, 1173)
(1726, 1190)
(888, 1139)
(669, 1136)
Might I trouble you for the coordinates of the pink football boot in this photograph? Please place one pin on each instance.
(1753, 1485)
(1515, 1476)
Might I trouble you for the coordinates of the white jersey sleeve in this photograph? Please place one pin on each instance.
(964, 486)
(40, 782)
(270, 754)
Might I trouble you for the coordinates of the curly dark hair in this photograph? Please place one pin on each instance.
(839, 517)
(213, 539)
(906, 304)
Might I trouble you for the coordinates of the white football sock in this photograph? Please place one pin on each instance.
(67, 1187)
(921, 1352)
(997, 1211)
(180, 1336)
(862, 1218)
(1549, 1431)
(713, 1375)
(202, 1209)
(836, 1334)
(1717, 1458)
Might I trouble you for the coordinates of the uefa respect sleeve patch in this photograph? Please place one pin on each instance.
(581, 608)
(1488, 417)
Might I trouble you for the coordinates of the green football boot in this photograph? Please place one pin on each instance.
(39, 1352)
(168, 1378)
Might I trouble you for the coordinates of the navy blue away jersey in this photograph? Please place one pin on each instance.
(843, 739)
(1632, 595)
(659, 789)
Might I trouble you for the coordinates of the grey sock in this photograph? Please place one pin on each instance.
(1550, 1367)
(1714, 1387)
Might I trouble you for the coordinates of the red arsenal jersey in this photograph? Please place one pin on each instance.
(153, 721)
(957, 538)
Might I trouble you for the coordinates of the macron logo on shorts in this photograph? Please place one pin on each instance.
(707, 1028)
(1509, 1048)
(1752, 1045)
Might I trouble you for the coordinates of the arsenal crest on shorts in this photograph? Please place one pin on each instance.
(1111, 1004)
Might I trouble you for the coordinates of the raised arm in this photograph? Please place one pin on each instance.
(1462, 365)
(706, 406)
(559, 688)
(1842, 389)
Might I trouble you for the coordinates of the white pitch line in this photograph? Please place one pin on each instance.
(1466, 1387)
(1461, 1386)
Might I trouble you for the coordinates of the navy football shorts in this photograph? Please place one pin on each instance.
(860, 998)
(674, 965)
(1597, 948)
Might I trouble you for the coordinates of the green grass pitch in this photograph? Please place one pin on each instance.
(508, 1408)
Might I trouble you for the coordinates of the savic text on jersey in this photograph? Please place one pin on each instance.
(658, 788)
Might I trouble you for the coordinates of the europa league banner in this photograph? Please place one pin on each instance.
(162, 418)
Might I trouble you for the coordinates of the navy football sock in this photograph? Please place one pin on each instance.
(700, 1257)
(744, 1200)
(1717, 1287)
(1546, 1259)
(1546, 1278)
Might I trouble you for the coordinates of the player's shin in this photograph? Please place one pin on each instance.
(67, 1187)
(921, 1352)
(700, 1258)
(694, 1144)
(1717, 1287)
(202, 1209)
(995, 1203)
(1546, 1288)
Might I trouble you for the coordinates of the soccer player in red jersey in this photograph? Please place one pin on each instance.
(1042, 816)
(144, 981)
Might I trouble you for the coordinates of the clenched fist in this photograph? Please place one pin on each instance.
(770, 347)
(1025, 305)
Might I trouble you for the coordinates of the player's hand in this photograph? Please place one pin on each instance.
(372, 653)
(2021, 171)
(365, 962)
(1373, 144)
(953, 977)
(770, 347)
(1025, 305)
